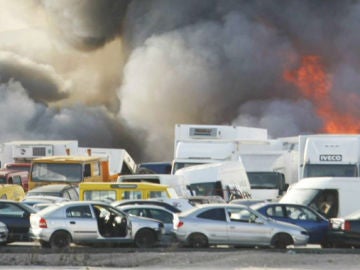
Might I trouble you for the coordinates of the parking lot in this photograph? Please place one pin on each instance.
(310, 257)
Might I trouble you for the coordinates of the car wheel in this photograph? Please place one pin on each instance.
(198, 240)
(281, 241)
(60, 240)
(145, 238)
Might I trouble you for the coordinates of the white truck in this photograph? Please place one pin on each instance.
(22, 152)
(199, 144)
(271, 166)
(328, 155)
(25, 151)
(227, 179)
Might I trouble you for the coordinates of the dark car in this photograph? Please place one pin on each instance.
(345, 231)
(16, 216)
(298, 214)
(66, 191)
(148, 201)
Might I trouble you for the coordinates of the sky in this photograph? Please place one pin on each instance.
(122, 73)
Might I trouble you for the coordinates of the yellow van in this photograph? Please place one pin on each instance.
(12, 192)
(102, 191)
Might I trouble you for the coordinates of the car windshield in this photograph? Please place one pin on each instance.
(57, 172)
(300, 196)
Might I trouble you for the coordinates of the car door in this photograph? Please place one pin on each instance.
(244, 229)
(81, 222)
(213, 222)
(17, 220)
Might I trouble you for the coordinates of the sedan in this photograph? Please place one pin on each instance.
(300, 215)
(87, 222)
(345, 231)
(238, 225)
(16, 217)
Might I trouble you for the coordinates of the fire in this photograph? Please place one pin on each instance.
(315, 85)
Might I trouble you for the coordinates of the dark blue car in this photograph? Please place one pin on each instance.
(16, 217)
(301, 215)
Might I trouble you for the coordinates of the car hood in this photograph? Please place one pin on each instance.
(285, 224)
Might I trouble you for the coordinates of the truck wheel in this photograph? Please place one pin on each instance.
(60, 240)
(198, 240)
(145, 238)
(281, 241)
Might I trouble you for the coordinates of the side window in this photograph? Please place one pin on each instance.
(97, 169)
(87, 170)
(327, 203)
(239, 214)
(214, 214)
(82, 211)
(16, 180)
(275, 211)
(161, 215)
(11, 210)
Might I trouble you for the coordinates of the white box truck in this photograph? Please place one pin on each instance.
(329, 155)
(199, 144)
(227, 179)
(270, 166)
(25, 151)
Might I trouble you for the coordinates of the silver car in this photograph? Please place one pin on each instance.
(86, 222)
(238, 225)
(4, 232)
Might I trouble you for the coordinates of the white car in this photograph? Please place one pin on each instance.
(238, 225)
(87, 222)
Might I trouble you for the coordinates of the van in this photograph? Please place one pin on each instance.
(226, 179)
(331, 196)
(11, 192)
(175, 181)
(102, 191)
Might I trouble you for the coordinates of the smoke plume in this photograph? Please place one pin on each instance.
(121, 73)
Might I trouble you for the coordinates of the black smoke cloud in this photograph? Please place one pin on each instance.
(200, 62)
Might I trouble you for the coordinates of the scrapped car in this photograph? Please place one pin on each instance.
(237, 225)
(3, 233)
(345, 231)
(298, 214)
(90, 222)
(11, 192)
(66, 191)
(16, 217)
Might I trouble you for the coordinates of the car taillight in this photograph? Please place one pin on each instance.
(180, 224)
(347, 225)
(42, 223)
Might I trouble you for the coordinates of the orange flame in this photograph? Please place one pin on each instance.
(315, 85)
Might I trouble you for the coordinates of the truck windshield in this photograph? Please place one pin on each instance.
(205, 189)
(317, 170)
(180, 165)
(264, 180)
(53, 172)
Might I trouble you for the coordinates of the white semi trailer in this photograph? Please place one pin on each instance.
(328, 155)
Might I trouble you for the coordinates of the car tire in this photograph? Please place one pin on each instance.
(281, 241)
(145, 238)
(60, 240)
(198, 240)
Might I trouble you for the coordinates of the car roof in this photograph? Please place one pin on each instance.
(51, 187)
(152, 206)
